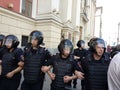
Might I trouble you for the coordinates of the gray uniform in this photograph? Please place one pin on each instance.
(114, 73)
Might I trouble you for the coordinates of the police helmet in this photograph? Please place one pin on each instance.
(66, 43)
(36, 35)
(80, 43)
(97, 41)
(11, 39)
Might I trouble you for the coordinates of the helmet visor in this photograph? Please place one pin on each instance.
(67, 48)
(101, 45)
(82, 44)
(31, 38)
(8, 42)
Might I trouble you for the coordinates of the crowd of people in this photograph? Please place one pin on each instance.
(97, 67)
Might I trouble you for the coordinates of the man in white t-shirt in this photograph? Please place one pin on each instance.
(114, 71)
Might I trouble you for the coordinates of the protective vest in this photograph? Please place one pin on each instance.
(96, 74)
(62, 68)
(32, 65)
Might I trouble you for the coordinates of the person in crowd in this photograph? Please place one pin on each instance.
(63, 65)
(114, 70)
(12, 63)
(34, 58)
(79, 54)
(95, 67)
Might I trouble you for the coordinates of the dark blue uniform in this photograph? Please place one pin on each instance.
(34, 60)
(95, 72)
(62, 67)
(9, 63)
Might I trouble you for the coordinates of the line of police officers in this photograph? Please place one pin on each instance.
(89, 65)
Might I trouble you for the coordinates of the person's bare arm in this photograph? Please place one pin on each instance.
(18, 69)
(51, 75)
(46, 68)
(79, 74)
(69, 78)
(76, 57)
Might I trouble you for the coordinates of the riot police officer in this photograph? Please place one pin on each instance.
(95, 67)
(63, 65)
(11, 68)
(79, 54)
(35, 57)
(1, 42)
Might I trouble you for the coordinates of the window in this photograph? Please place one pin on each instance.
(27, 7)
(24, 40)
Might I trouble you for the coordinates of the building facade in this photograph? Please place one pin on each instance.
(87, 19)
(57, 19)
